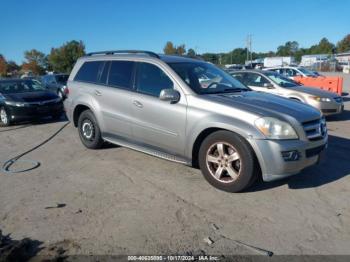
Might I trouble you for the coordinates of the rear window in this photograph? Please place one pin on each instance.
(120, 74)
(90, 72)
(62, 79)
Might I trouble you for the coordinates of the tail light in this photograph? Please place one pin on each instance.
(66, 91)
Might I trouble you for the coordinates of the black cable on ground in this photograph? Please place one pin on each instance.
(15, 128)
(7, 165)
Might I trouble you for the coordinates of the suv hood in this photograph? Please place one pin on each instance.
(314, 91)
(264, 104)
(31, 96)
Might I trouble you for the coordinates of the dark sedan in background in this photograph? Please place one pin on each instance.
(56, 83)
(26, 99)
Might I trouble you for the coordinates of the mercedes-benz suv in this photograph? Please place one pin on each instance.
(158, 104)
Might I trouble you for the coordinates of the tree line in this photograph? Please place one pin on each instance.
(63, 58)
(239, 55)
(60, 59)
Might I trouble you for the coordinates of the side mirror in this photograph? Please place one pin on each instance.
(269, 85)
(170, 95)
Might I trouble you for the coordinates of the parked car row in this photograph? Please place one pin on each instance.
(234, 126)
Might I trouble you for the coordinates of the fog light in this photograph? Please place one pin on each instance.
(293, 155)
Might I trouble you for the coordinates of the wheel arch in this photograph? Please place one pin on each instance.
(205, 133)
(77, 112)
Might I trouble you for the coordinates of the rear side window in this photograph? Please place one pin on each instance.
(90, 72)
(151, 80)
(120, 74)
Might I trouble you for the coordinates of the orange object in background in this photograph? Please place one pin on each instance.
(328, 83)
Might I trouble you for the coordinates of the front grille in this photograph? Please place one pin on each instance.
(329, 110)
(314, 151)
(315, 129)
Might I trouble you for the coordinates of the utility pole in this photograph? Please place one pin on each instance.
(249, 48)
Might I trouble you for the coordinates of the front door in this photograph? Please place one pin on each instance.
(159, 124)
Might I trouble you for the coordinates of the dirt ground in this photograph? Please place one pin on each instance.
(118, 201)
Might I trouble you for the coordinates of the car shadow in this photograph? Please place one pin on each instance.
(334, 166)
(345, 115)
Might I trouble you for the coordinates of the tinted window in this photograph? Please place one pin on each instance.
(120, 74)
(252, 79)
(151, 79)
(240, 77)
(89, 72)
(62, 79)
(104, 75)
(22, 86)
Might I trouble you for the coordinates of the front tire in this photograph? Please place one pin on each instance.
(227, 161)
(89, 131)
(4, 117)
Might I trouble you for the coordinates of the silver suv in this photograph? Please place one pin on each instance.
(190, 111)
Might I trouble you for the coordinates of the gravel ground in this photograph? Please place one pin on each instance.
(118, 201)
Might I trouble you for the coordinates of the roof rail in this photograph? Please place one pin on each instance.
(112, 52)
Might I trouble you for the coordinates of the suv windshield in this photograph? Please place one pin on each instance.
(306, 71)
(13, 87)
(281, 80)
(205, 78)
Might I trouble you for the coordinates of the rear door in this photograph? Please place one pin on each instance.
(114, 97)
(109, 85)
(158, 124)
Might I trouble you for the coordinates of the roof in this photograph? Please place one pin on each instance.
(178, 59)
(128, 54)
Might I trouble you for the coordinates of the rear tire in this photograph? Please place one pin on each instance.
(89, 131)
(228, 162)
(4, 117)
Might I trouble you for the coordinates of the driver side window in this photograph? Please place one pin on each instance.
(151, 80)
(256, 80)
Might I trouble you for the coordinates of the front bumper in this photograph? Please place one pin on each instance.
(329, 108)
(34, 111)
(274, 166)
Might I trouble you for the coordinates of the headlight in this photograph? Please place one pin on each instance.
(320, 99)
(275, 129)
(11, 103)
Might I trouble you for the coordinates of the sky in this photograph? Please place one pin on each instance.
(204, 25)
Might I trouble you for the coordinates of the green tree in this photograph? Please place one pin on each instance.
(12, 67)
(191, 52)
(3, 66)
(344, 44)
(181, 49)
(36, 62)
(288, 49)
(62, 59)
(323, 47)
(169, 48)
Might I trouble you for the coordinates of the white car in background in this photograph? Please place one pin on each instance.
(293, 71)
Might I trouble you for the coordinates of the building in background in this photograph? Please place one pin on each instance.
(310, 60)
(279, 61)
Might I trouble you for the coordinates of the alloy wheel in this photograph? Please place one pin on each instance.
(223, 162)
(3, 116)
(88, 130)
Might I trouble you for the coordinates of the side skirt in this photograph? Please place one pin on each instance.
(145, 149)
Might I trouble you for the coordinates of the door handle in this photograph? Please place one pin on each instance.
(98, 93)
(137, 103)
